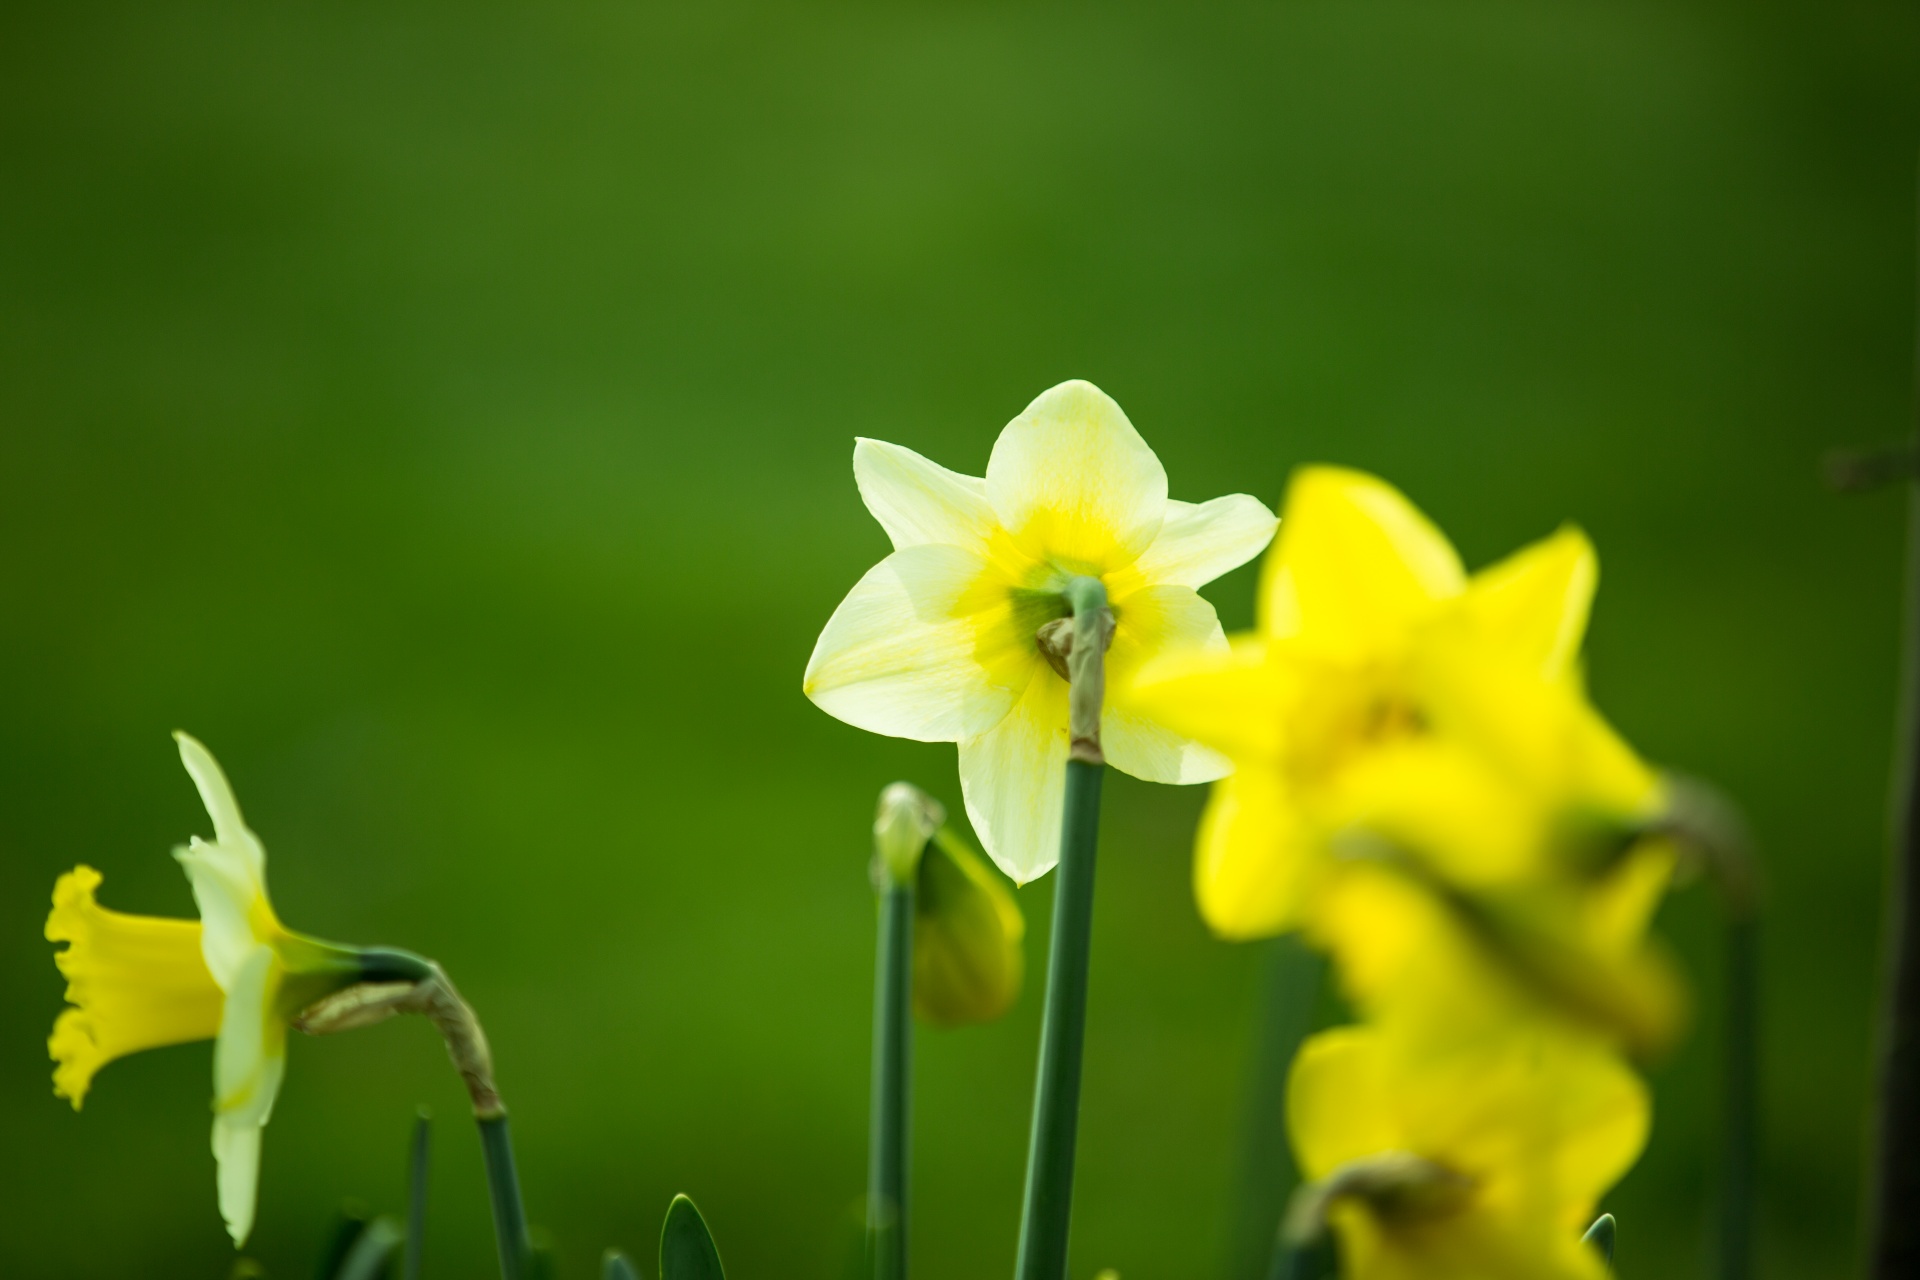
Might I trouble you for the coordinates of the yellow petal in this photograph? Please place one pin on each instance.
(1255, 866)
(1533, 605)
(1149, 622)
(1337, 1104)
(136, 982)
(1354, 566)
(928, 645)
(1074, 484)
(919, 502)
(1233, 699)
(1200, 541)
(1013, 777)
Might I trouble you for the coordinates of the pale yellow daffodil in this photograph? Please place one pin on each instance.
(1387, 695)
(938, 641)
(236, 976)
(1484, 1165)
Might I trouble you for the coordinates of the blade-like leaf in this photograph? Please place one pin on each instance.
(345, 1229)
(687, 1251)
(417, 1160)
(614, 1266)
(372, 1254)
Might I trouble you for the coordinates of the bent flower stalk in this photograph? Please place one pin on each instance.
(938, 641)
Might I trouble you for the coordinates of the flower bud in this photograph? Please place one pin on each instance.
(906, 820)
(967, 959)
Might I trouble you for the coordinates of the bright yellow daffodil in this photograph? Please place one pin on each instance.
(1467, 1166)
(236, 976)
(1388, 695)
(938, 641)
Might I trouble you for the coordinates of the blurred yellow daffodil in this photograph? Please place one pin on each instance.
(1389, 697)
(236, 976)
(1467, 1166)
(938, 641)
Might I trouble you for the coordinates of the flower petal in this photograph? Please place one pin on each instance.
(230, 902)
(1232, 700)
(1338, 1108)
(229, 828)
(249, 1061)
(1014, 777)
(928, 645)
(1355, 564)
(1074, 484)
(1533, 605)
(1200, 541)
(1148, 623)
(920, 502)
(1254, 865)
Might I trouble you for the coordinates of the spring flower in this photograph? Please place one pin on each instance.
(938, 641)
(236, 976)
(1474, 1166)
(1387, 694)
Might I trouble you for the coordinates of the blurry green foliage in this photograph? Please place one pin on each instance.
(445, 411)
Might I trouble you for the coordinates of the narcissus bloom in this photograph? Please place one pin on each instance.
(237, 976)
(938, 641)
(1472, 1166)
(1389, 700)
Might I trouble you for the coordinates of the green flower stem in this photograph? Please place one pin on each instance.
(1894, 1250)
(1291, 991)
(892, 1062)
(1740, 1091)
(1056, 1103)
(503, 1188)
(417, 1196)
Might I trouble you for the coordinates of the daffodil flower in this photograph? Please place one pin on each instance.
(1387, 697)
(236, 976)
(938, 642)
(1466, 1166)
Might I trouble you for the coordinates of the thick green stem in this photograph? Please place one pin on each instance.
(1056, 1103)
(1290, 992)
(503, 1188)
(892, 1064)
(1894, 1252)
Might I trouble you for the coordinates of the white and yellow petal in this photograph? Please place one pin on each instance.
(1074, 484)
(249, 1061)
(1013, 778)
(1200, 541)
(919, 502)
(926, 646)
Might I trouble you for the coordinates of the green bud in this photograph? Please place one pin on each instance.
(967, 959)
(906, 820)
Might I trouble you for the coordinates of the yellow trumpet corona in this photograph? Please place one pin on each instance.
(938, 641)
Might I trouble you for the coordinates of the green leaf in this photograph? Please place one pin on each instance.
(614, 1266)
(372, 1254)
(1600, 1236)
(347, 1225)
(687, 1251)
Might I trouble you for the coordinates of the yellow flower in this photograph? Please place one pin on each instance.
(937, 641)
(237, 976)
(1388, 696)
(967, 962)
(1483, 1165)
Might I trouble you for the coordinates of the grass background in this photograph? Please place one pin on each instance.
(445, 411)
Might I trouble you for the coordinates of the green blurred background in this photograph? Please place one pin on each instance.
(445, 411)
